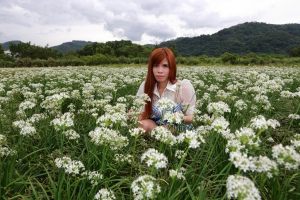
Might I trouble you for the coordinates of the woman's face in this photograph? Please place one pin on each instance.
(161, 71)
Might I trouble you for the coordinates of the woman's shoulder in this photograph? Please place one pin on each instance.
(141, 88)
(143, 83)
(184, 82)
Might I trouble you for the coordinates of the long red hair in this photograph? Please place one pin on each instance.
(156, 57)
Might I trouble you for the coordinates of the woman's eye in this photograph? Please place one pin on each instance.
(165, 65)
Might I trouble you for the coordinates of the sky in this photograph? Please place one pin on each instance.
(53, 22)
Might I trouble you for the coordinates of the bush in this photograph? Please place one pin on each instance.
(229, 58)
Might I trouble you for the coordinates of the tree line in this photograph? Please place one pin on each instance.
(126, 52)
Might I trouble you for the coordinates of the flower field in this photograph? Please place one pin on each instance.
(67, 133)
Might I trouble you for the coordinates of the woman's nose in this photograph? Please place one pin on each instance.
(160, 69)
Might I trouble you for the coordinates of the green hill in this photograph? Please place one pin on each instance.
(5, 45)
(74, 45)
(241, 39)
(256, 37)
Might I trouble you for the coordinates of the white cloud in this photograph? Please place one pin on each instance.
(149, 21)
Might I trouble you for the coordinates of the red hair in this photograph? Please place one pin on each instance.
(156, 57)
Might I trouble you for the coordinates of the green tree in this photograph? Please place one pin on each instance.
(295, 52)
(174, 50)
(26, 50)
(229, 58)
(1, 50)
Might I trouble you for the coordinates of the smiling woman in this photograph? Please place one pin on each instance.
(172, 100)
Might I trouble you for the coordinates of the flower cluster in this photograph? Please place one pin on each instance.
(93, 176)
(26, 105)
(105, 194)
(164, 104)
(153, 158)
(180, 154)
(192, 138)
(114, 115)
(286, 156)
(163, 135)
(173, 117)
(53, 103)
(123, 158)
(241, 187)
(63, 122)
(145, 187)
(260, 123)
(109, 137)
(70, 166)
(218, 108)
(178, 173)
(71, 134)
(4, 150)
(27, 129)
(136, 132)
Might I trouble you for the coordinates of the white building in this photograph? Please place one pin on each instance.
(7, 52)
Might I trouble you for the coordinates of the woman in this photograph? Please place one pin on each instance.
(160, 83)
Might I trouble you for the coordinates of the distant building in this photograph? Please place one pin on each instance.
(7, 52)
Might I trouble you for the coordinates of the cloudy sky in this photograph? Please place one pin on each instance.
(54, 22)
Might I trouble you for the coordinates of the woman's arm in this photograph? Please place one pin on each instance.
(187, 119)
(188, 96)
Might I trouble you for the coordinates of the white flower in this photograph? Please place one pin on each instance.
(241, 187)
(178, 173)
(219, 124)
(260, 123)
(242, 161)
(164, 104)
(193, 138)
(105, 194)
(173, 118)
(294, 116)
(286, 156)
(145, 187)
(26, 105)
(123, 158)
(26, 127)
(286, 94)
(70, 166)
(135, 132)
(5, 151)
(163, 135)
(63, 122)
(71, 134)
(234, 145)
(240, 105)
(93, 176)
(218, 108)
(105, 136)
(180, 154)
(247, 136)
(145, 97)
(265, 164)
(153, 158)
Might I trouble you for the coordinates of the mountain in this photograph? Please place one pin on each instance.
(256, 37)
(241, 39)
(74, 45)
(5, 45)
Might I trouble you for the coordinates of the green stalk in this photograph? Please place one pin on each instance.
(133, 155)
(293, 119)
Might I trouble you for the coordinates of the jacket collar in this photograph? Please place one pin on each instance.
(170, 86)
